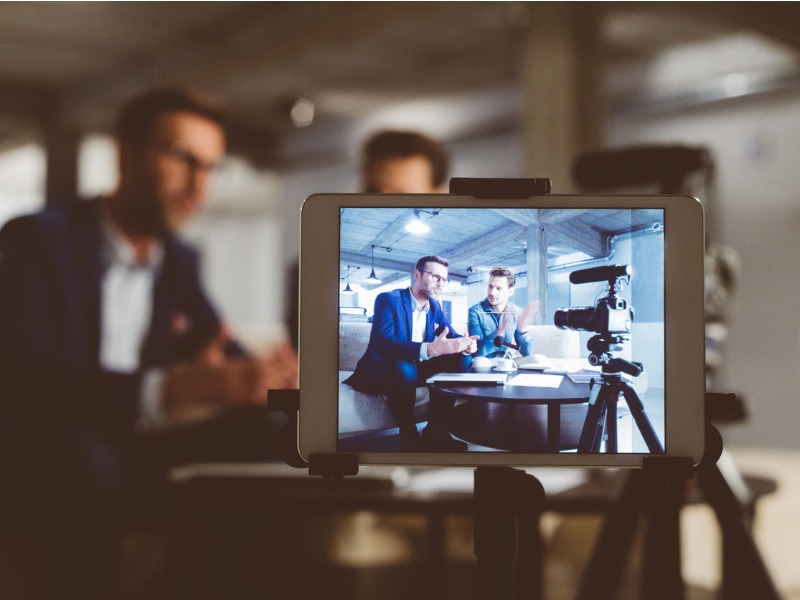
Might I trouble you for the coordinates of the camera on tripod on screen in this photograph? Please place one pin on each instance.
(611, 315)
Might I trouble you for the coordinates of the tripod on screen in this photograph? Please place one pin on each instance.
(602, 413)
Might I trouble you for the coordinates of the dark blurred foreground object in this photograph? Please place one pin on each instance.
(668, 167)
(677, 169)
(673, 169)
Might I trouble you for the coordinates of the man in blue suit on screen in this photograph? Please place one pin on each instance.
(411, 340)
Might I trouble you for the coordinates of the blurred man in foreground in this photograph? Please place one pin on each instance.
(107, 338)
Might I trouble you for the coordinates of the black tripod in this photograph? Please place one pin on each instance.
(602, 413)
(657, 492)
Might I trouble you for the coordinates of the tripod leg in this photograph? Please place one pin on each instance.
(495, 532)
(508, 542)
(603, 575)
(529, 564)
(592, 432)
(661, 571)
(636, 406)
(611, 425)
(744, 573)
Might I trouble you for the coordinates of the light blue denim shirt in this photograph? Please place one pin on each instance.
(483, 321)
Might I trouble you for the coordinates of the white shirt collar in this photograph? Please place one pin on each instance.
(117, 250)
(417, 305)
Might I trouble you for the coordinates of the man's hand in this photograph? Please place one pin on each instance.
(525, 318)
(509, 321)
(282, 364)
(214, 352)
(444, 345)
(214, 381)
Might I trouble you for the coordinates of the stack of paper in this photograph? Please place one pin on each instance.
(584, 375)
(469, 378)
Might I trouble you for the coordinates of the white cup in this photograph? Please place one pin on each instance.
(481, 364)
(505, 365)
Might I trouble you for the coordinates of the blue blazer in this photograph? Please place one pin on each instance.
(50, 277)
(390, 338)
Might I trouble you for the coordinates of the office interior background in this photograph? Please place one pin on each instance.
(513, 89)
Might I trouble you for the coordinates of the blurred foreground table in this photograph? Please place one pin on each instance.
(269, 530)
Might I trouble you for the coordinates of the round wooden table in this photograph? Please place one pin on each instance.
(519, 418)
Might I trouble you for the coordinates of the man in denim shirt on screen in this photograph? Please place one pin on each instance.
(496, 316)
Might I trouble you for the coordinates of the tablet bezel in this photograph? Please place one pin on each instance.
(684, 335)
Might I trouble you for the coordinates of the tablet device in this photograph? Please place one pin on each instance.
(614, 283)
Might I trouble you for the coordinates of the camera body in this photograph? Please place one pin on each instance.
(611, 315)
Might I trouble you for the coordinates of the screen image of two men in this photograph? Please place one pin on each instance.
(483, 301)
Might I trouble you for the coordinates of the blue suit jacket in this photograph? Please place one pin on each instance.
(390, 338)
(50, 277)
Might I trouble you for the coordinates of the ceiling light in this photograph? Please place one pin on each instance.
(417, 225)
(372, 277)
(302, 112)
(347, 289)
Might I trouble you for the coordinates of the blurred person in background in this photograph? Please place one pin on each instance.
(403, 162)
(393, 162)
(108, 338)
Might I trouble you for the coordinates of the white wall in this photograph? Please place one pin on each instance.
(297, 185)
(756, 146)
(21, 181)
(240, 265)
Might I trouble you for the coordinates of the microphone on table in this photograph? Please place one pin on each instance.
(501, 341)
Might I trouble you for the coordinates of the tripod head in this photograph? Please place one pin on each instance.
(600, 347)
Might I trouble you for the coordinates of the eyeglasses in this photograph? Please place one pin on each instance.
(437, 278)
(190, 161)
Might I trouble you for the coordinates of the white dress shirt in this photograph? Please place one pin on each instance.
(418, 321)
(126, 309)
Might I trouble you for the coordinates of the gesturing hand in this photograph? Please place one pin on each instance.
(214, 381)
(444, 345)
(530, 311)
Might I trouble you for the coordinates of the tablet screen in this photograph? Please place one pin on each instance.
(565, 308)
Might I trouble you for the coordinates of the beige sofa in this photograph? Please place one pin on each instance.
(360, 412)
